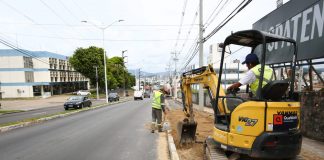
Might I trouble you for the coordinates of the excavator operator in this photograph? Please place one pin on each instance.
(252, 76)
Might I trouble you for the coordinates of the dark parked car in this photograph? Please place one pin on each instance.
(77, 102)
(147, 94)
(113, 97)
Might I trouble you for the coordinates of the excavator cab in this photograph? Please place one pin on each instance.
(265, 125)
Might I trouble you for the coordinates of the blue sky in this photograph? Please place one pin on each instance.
(149, 32)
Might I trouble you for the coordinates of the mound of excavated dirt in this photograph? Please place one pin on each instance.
(204, 128)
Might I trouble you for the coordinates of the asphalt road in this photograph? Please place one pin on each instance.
(14, 117)
(114, 132)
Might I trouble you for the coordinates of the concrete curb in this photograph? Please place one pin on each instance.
(44, 119)
(172, 148)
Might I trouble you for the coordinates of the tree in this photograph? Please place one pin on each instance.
(85, 59)
(117, 68)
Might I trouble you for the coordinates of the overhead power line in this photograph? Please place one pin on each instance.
(116, 25)
(210, 16)
(194, 53)
(189, 32)
(24, 15)
(238, 9)
(213, 17)
(190, 50)
(181, 22)
(96, 39)
(71, 13)
(8, 44)
(19, 12)
(191, 53)
(54, 12)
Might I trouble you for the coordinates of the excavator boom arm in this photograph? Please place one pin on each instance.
(206, 77)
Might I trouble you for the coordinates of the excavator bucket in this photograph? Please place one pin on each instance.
(187, 131)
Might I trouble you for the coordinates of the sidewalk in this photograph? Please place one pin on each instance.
(35, 103)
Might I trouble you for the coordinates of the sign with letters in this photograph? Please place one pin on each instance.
(301, 20)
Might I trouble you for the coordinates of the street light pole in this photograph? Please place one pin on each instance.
(103, 28)
(105, 63)
(139, 79)
(97, 82)
(124, 71)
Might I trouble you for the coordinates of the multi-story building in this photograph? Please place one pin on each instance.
(232, 68)
(37, 73)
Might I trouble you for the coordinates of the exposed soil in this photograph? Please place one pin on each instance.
(204, 129)
(308, 155)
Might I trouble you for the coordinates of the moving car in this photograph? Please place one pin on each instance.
(83, 93)
(77, 102)
(138, 95)
(147, 94)
(113, 97)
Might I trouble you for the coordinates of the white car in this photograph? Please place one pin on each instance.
(138, 95)
(83, 93)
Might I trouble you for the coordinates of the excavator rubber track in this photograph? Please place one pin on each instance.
(211, 152)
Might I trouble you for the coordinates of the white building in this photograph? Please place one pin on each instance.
(231, 67)
(37, 73)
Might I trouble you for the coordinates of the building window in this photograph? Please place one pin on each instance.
(29, 76)
(28, 62)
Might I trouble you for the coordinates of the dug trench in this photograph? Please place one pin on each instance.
(191, 151)
(204, 129)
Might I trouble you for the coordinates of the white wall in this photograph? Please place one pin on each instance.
(41, 63)
(11, 62)
(42, 76)
(16, 91)
(12, 77)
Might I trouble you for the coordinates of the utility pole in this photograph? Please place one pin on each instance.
(97, 82)
(124, 71)
(238, 68)
(175, 59)
(201, 52)
(139, 79)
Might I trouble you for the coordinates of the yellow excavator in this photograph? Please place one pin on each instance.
(262, 126)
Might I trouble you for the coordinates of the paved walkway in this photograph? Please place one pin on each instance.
(37, 103)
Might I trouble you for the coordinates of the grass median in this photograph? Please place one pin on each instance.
(10, 111)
